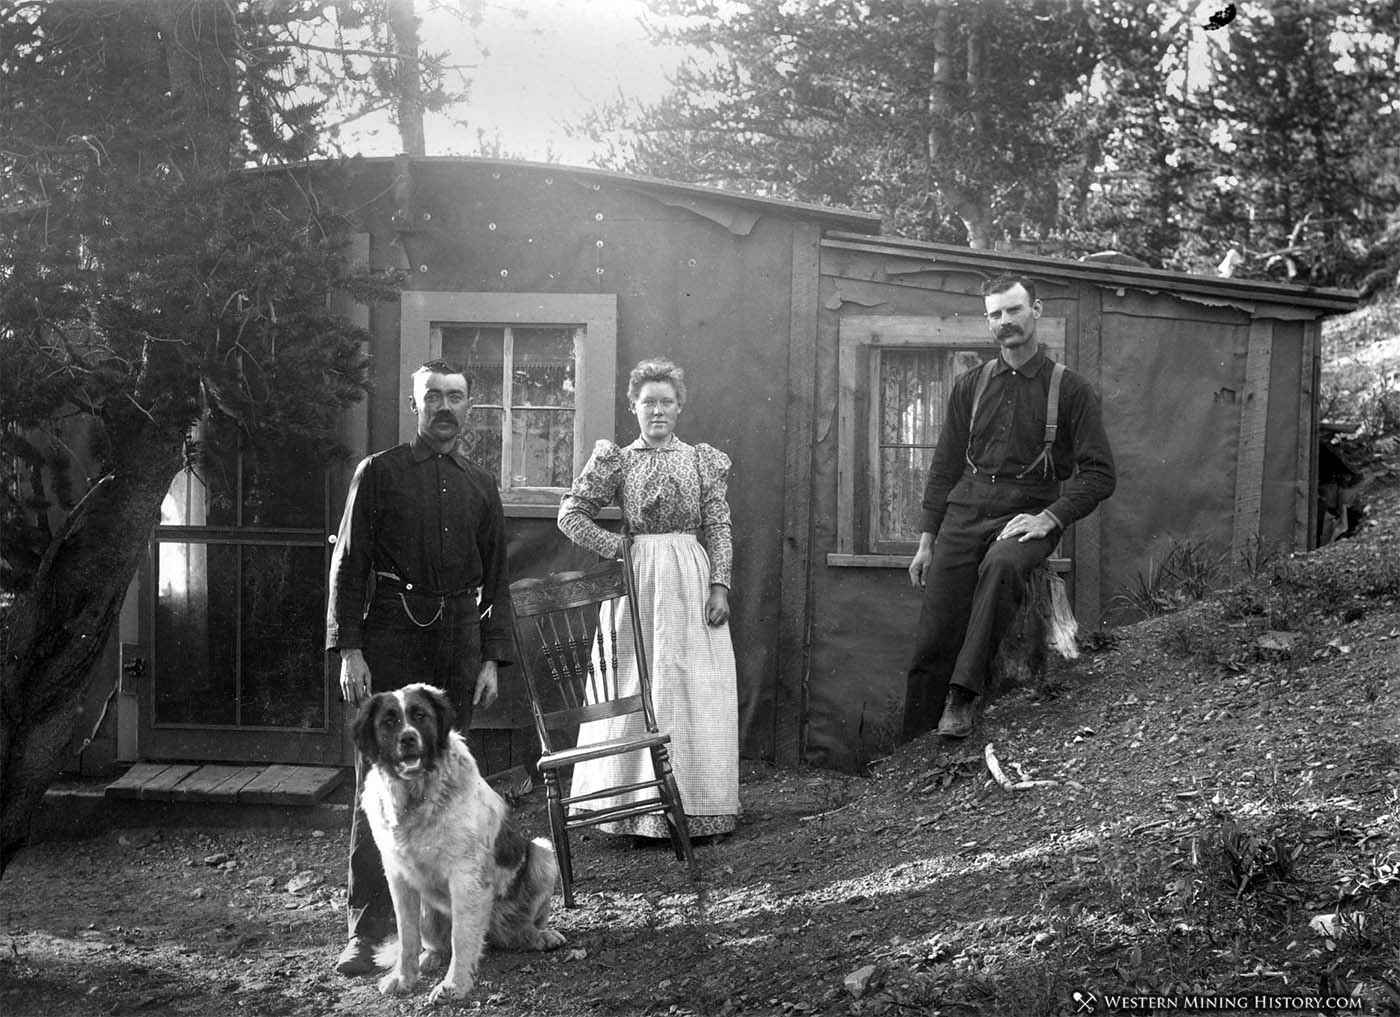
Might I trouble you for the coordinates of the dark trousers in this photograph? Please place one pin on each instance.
(972, 590)
(447, 654)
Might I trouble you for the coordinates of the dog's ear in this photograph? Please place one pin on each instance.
(366, 740)
(442, 707)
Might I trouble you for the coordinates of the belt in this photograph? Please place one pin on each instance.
(1011, 478)
(442, 598)
(422, 591)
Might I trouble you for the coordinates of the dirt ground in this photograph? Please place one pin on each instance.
(1219, 778)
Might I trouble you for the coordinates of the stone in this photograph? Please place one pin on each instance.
(859, 980)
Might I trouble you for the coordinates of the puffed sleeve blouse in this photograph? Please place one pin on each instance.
(677, 488)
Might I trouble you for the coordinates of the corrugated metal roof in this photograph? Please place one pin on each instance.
(1215, 288)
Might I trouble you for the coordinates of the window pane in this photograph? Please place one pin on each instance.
(196, 614)
(542, 448)
(914, 388)
(187, 501)
(284, 611)
(481, 350)
(910, 406)
(199, 639)
(284, 484)
(902, 475)
(211, 494)
(482, 440)
(542, 367)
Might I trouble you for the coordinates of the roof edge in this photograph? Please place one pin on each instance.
(856, 222)
(1319, 297)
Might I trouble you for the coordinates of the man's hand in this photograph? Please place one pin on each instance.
(918, 568)
(354, 676)
(717, 607)
(486, 685)
(1024, 527)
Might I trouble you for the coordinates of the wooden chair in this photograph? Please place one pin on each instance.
(567, 629)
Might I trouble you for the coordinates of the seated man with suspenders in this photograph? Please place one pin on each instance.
(1022, 455)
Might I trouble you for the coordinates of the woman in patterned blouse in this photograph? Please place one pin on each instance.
(668, 491)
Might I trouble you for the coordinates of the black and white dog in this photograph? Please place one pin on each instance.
(455, 864)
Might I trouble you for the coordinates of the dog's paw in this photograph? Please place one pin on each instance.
(549, 939)
(397, 983)
(446, 990)
(431, 960)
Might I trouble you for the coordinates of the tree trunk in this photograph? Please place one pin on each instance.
(944, 105)
(403, 28)
(55, 632)
(199, 39)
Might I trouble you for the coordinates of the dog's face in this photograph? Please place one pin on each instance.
(405, 731)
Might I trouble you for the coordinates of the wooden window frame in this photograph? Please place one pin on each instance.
(592, 316)
(862, 338)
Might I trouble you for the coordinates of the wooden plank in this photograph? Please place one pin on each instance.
(290, 785)
(795, 603)
(846, 449)
(1305, 496)
(1056, 564)
(129, 784)
(872, 449)
(214, 783)
(927, 330)
(1254, 418)
(1096, 273)
(227, 790)
(1086, 536)
(161, 787)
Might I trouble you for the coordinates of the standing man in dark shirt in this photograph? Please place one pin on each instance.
(419, 592)
(997, 499)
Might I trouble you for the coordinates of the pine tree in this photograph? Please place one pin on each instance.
(947, 117)
(157, 272)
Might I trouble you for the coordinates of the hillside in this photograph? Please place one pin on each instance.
(1219, 779)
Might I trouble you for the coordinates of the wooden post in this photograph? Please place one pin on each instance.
(790, 699)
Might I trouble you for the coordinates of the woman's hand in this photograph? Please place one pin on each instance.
(717, 607)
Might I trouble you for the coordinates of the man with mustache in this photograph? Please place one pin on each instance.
(1001, 489)
(419, 592)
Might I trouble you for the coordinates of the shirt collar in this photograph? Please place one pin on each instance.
(1029, 369)
(673, 444)
(422, 452)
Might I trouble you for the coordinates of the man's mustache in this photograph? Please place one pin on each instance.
(444, 417)
(1009, 330)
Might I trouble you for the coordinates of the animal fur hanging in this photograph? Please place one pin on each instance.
(1060, 636)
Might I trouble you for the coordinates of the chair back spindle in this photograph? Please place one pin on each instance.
(579, 669)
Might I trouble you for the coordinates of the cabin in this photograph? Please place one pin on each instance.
(817, 353)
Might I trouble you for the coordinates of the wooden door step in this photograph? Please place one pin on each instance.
(231, 785)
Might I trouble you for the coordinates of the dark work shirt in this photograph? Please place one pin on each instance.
(1010, 432)
(432, 520)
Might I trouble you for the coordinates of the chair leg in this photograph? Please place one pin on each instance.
(675, 811)
(559, 833)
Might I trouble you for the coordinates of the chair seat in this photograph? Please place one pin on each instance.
(595, 750)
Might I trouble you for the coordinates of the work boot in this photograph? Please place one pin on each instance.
(959, 713)
(357, 958)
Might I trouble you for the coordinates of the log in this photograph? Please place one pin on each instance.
(1044, 622)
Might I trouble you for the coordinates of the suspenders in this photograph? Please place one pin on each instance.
(1052, 418)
